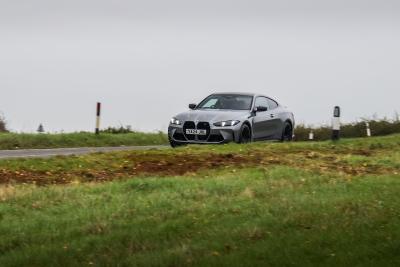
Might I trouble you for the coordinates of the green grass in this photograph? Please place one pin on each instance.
(25, 141)
(290, 207)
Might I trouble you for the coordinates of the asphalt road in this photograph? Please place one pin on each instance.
(44, 153)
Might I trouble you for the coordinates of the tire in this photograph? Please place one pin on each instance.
(245, 134)
(287, 134)
(174, 144)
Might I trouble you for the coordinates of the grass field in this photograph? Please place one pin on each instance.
(24, 141)
(265, 204)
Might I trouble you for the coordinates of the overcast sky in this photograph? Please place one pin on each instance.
(146, 60)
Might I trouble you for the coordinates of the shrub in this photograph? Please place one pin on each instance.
(118, 130)
(3, 125)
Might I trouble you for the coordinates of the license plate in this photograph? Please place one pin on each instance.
(196, 132)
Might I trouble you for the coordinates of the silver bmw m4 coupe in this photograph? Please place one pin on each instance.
(232, 117)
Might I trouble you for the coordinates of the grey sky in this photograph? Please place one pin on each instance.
(146, 60)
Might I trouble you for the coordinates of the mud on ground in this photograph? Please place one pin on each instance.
(168, 164)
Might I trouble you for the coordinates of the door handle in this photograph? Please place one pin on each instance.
(272, 115)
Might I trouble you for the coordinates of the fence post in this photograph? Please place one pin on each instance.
(98, 110)
(336, 124)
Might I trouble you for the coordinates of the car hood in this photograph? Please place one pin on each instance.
(213, 116)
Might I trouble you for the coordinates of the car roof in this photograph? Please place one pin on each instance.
(242, 93)
(234, 93)
(249, 94)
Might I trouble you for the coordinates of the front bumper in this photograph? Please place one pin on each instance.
(217, 135)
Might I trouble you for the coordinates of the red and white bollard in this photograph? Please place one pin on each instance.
(98, 110)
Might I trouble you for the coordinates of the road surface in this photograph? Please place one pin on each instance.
(44, 153)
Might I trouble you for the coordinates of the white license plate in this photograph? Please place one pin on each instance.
(196, 132)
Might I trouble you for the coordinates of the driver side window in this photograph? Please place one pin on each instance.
(262, 102)
(210, 103)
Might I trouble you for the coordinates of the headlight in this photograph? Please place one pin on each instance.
(226, 123)
(175, 121)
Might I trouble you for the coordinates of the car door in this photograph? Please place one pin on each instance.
(264, 122)
(276, 115)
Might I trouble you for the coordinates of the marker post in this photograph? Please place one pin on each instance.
(368, 129)
(311, 135)
(336, 124)
(98, 110)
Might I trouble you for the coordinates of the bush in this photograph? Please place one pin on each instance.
(3, 125)
(350, 130)
(118, 130)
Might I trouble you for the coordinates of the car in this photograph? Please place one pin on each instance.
(232, 117)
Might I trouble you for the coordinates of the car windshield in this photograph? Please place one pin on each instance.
(232, 102)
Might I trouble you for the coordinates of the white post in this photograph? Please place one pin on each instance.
(311, 135)
(336, 124)
(368, 129)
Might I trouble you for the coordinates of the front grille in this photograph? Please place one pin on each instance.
(189, 125)
(200, 126)
(203, 126)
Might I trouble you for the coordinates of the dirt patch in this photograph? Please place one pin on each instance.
(136, 164)
(189, 164)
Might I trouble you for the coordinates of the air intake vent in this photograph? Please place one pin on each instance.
(203, 126)
(189, 125)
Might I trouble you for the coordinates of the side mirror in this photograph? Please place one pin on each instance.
(260, 109)
(192, 106)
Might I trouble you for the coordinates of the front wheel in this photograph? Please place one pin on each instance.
(245, 134)
(173, 143)
(287, 134)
